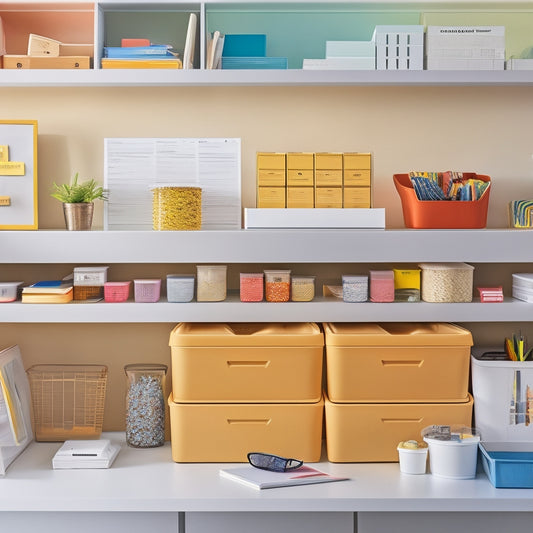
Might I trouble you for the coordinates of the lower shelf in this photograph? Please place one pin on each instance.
(233, 310)
(147, 480)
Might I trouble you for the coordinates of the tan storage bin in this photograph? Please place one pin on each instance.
(363, 432)
(397, 362)
(223, 433)
(246, 362)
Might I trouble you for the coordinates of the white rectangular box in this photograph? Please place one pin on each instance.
(464, 64)
(90, 276)
(373, 218)
(350, 49)
(399, 28)
(399, 47)
(340, 63)
(503, 399)
(519, 64)
(465, 37)
(471, 52)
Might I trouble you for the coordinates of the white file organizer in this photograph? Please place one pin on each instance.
(15, 422)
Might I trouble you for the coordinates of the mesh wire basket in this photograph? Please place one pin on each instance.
(68, 401)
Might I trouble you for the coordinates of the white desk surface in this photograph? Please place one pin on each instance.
(148, 480)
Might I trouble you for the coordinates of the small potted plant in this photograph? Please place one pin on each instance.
(78, 201)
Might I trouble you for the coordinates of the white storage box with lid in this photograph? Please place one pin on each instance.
(9, 290)
(523, 286)
(94, 276)
(503, 398)
(246, 362)
(180, 288)
(397, 362)
(211, 283)
(147, 290)
(447, 282)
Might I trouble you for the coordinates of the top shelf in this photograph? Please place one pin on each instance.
(268, 246)
(292, 77)
(296, 29)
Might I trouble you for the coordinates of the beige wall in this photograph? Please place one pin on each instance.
(482, 129)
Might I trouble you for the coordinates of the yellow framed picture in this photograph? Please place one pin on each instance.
(18, 174)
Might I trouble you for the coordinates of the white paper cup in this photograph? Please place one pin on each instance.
(413, 461)
(453, 459)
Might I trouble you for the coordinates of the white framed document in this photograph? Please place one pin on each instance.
(15, 397)
(18, 174)
(132, 166)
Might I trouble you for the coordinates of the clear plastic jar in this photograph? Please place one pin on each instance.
(355, 288)
(177, 208)
(302, 288)
(211, 283)
(145, 405)
(251, 287)
(180, 288)
(277, 285)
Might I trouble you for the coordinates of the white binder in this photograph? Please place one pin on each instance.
(15, 422)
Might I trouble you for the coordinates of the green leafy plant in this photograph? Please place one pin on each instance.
(76, 193)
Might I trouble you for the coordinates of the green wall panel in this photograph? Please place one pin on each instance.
(303, 35)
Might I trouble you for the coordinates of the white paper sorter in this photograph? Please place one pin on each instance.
(399, 47)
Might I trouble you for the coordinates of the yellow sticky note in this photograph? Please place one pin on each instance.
(5, 200)
(12, 168)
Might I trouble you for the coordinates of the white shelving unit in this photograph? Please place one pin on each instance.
(349, 247)
(106, 30)
(268, 246)
(293, 77)
(144, 489)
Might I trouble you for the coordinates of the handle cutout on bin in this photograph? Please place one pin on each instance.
(402, 420)
(236, 364)
(417, 363)
(261, 421)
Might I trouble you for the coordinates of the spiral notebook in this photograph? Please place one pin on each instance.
(264, 479)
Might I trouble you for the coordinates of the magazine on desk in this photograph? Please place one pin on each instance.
(264, 479)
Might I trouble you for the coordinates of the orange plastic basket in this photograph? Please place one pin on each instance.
(435, 214)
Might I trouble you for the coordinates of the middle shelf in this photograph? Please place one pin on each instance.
(233, 310)
(267, 246)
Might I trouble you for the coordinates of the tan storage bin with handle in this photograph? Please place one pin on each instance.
(363, 432)
(223, 433)
(246, 362)
(397, 362)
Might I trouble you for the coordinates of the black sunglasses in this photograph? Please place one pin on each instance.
(273, 463)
